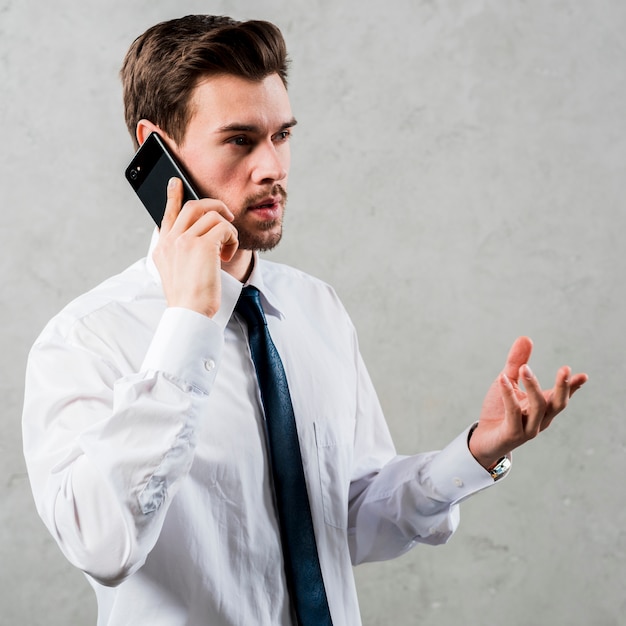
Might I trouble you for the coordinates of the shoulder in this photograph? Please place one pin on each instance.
(113, 299)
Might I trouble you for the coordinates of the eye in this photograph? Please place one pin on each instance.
(240, 140)
(283, 135)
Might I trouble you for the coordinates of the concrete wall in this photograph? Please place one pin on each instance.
(458, 176)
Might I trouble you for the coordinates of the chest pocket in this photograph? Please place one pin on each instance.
(334, 456)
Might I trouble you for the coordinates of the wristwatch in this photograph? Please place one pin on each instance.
(500, 468)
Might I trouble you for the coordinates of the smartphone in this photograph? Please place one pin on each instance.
(149, 172)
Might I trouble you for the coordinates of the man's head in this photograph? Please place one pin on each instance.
(215, 90)
(165, 64)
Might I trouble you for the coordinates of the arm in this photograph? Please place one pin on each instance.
(396, 502)
(106, 448)
(410, 500)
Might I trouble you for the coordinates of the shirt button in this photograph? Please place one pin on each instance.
(209, 365)
(458, 482)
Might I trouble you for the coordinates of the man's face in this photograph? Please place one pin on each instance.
(236, 149)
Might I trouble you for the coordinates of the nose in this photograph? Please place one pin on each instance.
(271, 163)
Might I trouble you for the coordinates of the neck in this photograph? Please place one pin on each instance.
(240, 266)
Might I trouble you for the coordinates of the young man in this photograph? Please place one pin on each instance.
(149, 432)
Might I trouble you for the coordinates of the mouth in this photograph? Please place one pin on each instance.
(268, 209)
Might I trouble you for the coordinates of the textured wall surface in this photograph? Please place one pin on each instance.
(458, 177)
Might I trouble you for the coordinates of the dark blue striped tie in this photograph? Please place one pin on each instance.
(302, 566)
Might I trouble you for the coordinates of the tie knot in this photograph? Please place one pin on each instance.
(249, 306)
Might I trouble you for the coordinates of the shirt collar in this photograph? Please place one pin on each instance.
(231, 287)
(271, 302)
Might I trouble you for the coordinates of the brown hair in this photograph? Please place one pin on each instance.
(163, 66)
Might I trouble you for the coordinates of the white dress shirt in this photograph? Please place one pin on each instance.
(144, 441)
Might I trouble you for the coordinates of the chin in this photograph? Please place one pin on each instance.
(260, 241)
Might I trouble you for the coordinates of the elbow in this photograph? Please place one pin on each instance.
(435, 538)
(103, 548)
(383, 538)
(108, 563)
(441, 529)
(96, 532)
(108, 577)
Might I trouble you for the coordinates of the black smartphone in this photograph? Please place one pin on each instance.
(149, 172)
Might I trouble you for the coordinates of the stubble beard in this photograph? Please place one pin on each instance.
(265, 235)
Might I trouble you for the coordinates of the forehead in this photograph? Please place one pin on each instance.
(220, 101)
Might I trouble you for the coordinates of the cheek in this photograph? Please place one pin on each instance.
(231, 192)
(285, 157)
(214, 178)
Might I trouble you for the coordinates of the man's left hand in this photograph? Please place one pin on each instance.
(512, 415)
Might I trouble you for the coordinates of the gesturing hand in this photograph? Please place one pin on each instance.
(511, 415)
(194, 240)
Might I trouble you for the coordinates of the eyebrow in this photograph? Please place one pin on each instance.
(252, 128)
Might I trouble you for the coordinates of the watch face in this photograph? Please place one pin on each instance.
(500, 468)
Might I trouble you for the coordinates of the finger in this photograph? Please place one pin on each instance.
(197, 224)
(536, 401)
(519, 354)
(512, 408)
(215, 229)
(565, 387)
(210, 204)
(230, 243)
(173, 205)
(198, 216)
(576, 382)
(561, 392)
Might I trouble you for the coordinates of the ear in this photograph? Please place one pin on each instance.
(144, 128)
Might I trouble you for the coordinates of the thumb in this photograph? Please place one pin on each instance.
(518, 355)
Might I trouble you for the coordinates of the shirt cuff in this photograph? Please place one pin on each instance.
(456, 474)
(187, 345)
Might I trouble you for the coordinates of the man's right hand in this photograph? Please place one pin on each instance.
(194, 240)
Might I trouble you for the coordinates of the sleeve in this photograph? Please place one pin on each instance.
(396, 501)
(106, 452)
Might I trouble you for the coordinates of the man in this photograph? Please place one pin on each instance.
(148, 431)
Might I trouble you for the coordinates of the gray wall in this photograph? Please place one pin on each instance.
(458, 176)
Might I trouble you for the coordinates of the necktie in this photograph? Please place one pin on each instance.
(302, 566)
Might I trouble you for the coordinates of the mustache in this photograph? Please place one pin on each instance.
(276, 190)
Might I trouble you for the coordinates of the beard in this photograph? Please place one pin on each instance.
(265, 235)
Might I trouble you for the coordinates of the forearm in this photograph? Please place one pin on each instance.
(412, 500)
